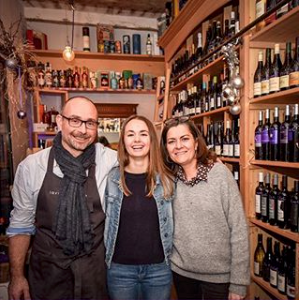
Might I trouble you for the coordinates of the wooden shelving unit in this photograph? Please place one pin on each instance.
(229, 159)
(280, 164)
(211, 113)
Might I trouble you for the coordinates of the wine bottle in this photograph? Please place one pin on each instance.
(259, 255)
(219, 95)
(294, 136)
(266, 137)
(258, 137)
(274, 265)
(275, 71)
(294, 71)
(294, 208)
(218, 37)
(85, 34)
(236, 176)
(269, 5)
(273, 201)
(218, 139)
(236, 140)
(265, 199)
(267, 260)
(232, 28)
(260, 8)
(205, 97)
(213, 93)
(226, 29)
(275, 136)
(228, 140)
(257, 87)
(199, 46)
(282, 10)
(284, 136)
(291, 275)
(266, 73)
(258, 196)
(282, 204)
(282, 271)
(284, 79)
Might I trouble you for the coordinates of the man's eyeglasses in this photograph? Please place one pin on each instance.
(176, 120)
(76, 123)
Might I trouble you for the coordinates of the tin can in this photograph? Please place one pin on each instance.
(126, 44)
(112, 47)
(106, 46)
(118, 47)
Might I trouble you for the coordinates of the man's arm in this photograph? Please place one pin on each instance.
(18, 248)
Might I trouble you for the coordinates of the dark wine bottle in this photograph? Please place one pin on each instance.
(258, 137)
(275, 136)
(218, 139)
(269, 5)
(199, 46)
(274, 265)
(232, 28)
(275, 71)
(267, 260)
(282, 10)
(294, 72)
(284, 79)
(219, 95)
(294, 136)
(273, 200)
(284, 136)
(294, 208)
(282, 204)
(236, 139)
(257, 86)
(213, 93)
(291, 275)
(258, 196)
(266, 73)
(266, 137)
(282, 271)
(265, 199)
(259, 255)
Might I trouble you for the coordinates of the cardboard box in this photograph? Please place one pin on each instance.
(105, 33)
(36, 40)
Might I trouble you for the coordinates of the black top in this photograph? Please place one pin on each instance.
(138, 240)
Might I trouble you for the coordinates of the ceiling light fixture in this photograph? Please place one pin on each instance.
(68, 53)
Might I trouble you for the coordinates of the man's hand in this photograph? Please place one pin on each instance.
(233, 296)
(18, 289)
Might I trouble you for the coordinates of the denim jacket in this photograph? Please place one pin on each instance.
(113, 199)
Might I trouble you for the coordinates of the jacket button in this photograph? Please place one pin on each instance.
(162, 202)
(166, 235)
(165, 219)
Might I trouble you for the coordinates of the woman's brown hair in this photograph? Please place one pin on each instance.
(203, 154)
(155, 166)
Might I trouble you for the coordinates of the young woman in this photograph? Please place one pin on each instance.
(139, 224)
(210, 258)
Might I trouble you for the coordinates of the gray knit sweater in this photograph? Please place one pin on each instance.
(210, 232)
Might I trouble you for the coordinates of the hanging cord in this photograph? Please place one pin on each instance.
(20, 88)
(73, 25)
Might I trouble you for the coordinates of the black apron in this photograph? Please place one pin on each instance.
(52, 274)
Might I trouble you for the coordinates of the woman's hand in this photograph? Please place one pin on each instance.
(233, 296)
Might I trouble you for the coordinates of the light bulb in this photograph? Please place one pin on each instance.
(68, 54)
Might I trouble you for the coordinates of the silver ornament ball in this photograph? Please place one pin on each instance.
(21, 114)
(238, 82)
(231, 99)
(235, 109)
(228, 92)
(11, 63)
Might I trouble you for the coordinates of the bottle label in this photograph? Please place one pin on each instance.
(218, 101)
(257, 89)
(225, 150)
(294, 78)
(218, 150)
(86, 42)
(256, 268)
(284, 136)
(281, 283)
(237, 150)
(265, 87)
(230, 150)
(284, 81)
(258, 203)
(259, 9)
(291, 134)
(212, 102)
(198, 110)
(291, 291)
(274, 84)
(271, 208)
(265, 136)
(264, 206)
(273, 277)
(273, 136)
(280, 211)
(258, 140)
(53, 118)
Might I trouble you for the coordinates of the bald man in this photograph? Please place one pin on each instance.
(58, 196)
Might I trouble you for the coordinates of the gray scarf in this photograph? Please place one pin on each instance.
(72, 225)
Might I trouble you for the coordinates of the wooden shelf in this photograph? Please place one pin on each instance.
(274, 229)
(98, 90)
(281, 164)
(210, 113)
(290, 96)
(158, 123)
(229, 159)
(213, 68)
(95, 55)
(266, 285)
(283, 30)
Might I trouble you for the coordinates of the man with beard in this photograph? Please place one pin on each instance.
(58, 198)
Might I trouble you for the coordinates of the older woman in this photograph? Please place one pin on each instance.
(210, 258)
